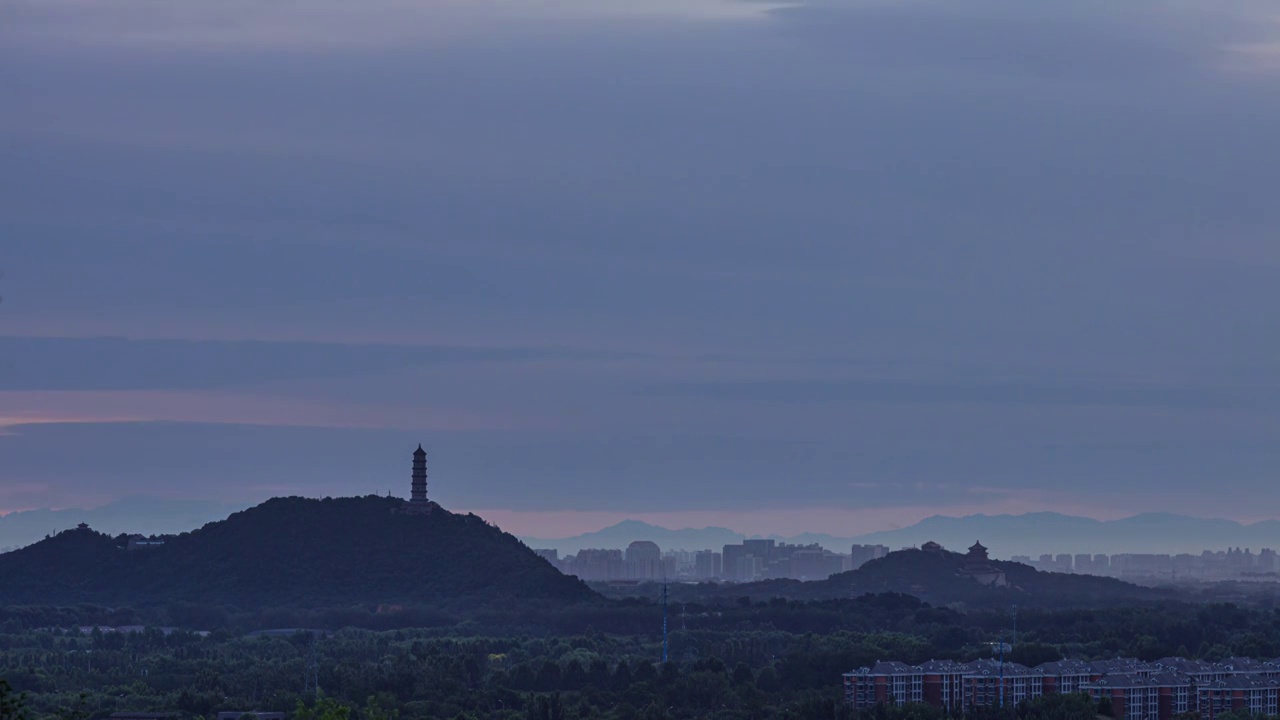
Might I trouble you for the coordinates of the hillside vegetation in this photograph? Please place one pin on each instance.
(293, 552)
(938, 578)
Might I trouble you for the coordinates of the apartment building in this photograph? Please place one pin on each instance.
(990, 683)
(943, 683)
(1254, 694)
(1144, 695)
(884, 683)
(1137, 690)
(1065, 676)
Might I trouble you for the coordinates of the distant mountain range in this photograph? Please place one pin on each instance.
(145, 515)
(624, 533)
(1006, 535)
(295, 552)
(1048, 532)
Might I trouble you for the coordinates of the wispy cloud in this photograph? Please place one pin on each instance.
(325, 25)
(956, 391)
(77, 408)
(46, 363)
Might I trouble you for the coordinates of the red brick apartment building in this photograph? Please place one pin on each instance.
(1200, 671)
(1065, 676)
(1137, 691)
(944, 683)
(938, 682)
(1252, 693)
(1245, 666)
(885, 683)
(985, 678)
(1144, 696)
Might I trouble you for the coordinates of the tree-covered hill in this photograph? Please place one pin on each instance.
(939, 577)
(294, 552)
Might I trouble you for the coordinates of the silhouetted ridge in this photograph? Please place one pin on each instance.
(943, 577)
(298, 552)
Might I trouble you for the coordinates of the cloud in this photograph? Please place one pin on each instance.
(69, 363)
(956, 391)
(1049, 40)
(326, 25)
(79, 407)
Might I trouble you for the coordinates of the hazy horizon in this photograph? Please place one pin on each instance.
(801, 266)
(138, 513)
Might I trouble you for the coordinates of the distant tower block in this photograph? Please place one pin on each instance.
(419, 476)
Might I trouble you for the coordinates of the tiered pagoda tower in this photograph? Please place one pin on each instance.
(419, 495)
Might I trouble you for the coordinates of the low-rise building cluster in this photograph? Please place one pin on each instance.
(1136, 690)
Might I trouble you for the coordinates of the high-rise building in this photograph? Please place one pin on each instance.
(590, 564)
(707, 565)
(861, 554)
(644, 561)
(729, 559)
(678, 564)
(763, 549)
(748, 568)
(814, 562)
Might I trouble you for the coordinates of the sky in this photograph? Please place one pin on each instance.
(827, 266)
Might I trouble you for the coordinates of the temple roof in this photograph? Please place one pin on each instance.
(419, 451)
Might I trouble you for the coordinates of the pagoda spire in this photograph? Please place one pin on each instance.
(419, 486)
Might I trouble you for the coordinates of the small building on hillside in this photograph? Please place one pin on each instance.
(418, 503)
(979, 567)
(142, 542)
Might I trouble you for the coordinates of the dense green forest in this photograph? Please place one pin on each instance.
(740, 660)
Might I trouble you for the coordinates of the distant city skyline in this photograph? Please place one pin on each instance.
(1011, 534)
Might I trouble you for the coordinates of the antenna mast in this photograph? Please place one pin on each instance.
(664, 621)
(311, 679)
(1001, 671)
(1015, 627)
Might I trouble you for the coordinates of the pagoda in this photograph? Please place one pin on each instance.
(419, 486)
(418, 503)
